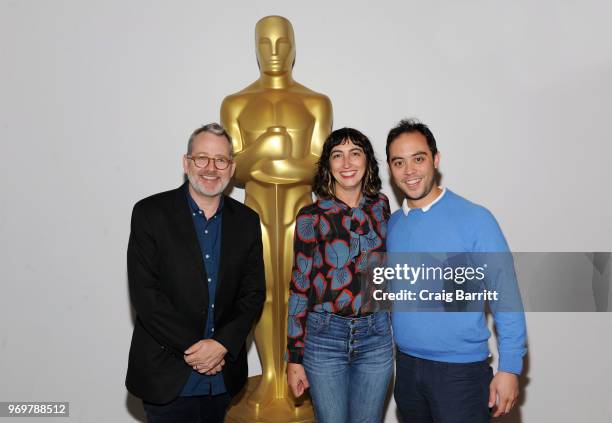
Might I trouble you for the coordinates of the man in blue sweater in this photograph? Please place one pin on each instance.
(442, 374)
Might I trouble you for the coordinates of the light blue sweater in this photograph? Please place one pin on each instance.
(454, 224)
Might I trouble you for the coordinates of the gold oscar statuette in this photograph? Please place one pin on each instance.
(278, 127)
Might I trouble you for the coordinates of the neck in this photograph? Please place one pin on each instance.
(208, 205)
(350, 198)
(276, 81)
(425, 201)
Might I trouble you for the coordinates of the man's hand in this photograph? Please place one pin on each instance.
(503, 393)
(296, 378)
(215, 370)
(206, 356)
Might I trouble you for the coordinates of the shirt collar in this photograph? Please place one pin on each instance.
(193, 206)
(406, 209)
(334, 202)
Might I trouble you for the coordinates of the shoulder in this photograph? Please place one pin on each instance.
(241, 210)
(382, 199)
(240, 98)
(467, 209)
(160, 200)
(310, 209)
(478, 221)
(233, 103)
(395, 217)
(378, 205)
(317, 102)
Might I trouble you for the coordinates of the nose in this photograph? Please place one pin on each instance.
(408, 168)
(210, 165)
(346, 162)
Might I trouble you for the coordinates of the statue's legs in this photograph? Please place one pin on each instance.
(277, 206)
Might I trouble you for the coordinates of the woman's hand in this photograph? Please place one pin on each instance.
(296, 378)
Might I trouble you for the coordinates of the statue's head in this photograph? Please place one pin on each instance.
(275, 45)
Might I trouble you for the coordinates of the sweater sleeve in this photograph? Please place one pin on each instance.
(304, 244)
(507, 312)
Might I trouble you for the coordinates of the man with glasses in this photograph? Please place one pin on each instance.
(196, 278)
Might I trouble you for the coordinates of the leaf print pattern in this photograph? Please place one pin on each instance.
(327, 273)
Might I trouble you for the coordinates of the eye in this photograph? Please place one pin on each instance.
(220, 161)
(398, 163)
(356, 153)
(419, 159)
(336, 155)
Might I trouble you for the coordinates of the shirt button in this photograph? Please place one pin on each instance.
(200, 211)
(212, 330)
(213, 306)
(205, 231)
(209, 280)
(194, 214)
(207, 256)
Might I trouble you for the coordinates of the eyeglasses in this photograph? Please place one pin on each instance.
(220, 163)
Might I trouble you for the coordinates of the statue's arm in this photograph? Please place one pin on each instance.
(230, 110)
(231, 107)
(322, 111)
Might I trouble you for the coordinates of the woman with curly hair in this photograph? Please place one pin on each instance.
(337, 346)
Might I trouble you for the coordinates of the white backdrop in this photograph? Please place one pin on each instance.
(97, 100)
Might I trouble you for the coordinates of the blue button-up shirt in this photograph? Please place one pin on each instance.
(209, 238)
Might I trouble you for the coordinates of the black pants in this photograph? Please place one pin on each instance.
(435, 392)
(199, 409)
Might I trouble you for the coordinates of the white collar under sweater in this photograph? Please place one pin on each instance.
(407, 209)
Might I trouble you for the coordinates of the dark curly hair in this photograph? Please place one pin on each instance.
(324, 182)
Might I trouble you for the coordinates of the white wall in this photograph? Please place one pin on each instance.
(97, 100)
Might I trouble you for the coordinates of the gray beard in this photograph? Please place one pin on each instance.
(198, 188)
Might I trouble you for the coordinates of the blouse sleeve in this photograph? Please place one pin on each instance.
(304, 243)
(385, 212)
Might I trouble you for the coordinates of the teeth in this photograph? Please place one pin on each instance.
(413, 181)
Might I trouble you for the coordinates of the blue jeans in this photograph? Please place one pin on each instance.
(349, 364)
(429, 391)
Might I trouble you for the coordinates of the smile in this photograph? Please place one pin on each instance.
(412, 183)
(348, 174)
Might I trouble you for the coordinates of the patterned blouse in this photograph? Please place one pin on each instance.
(332, 246)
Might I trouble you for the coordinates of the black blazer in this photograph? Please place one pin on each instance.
(168, 291)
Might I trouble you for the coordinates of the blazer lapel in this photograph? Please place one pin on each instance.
(184, 226)
(227, 240)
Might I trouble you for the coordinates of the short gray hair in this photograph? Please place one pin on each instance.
(213, 128)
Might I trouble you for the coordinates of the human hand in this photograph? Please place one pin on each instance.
(205, 356)
(215, 369)
(503, 393)
(296, 378)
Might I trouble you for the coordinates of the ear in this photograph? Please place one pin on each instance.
(437, 160)
(232, 169)
(186, 164)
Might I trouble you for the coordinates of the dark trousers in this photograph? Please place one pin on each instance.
(435, 392)
(199, 409)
